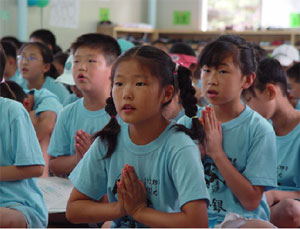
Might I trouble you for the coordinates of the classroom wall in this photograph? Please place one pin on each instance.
(121, 12)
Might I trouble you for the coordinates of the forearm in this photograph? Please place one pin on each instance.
(14, 173)
(44, 125)
(89, 211)
(63, 164)
(196, 218)
(243, 190)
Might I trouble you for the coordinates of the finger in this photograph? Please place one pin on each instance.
(132, 174)
(127, 182)
(142, 186)
(213, 118)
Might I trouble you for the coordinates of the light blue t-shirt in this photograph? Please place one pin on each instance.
(55, 87)
(19, 146)
(45, 100)
(17, 77)
(170, 167)
(74, 117)
(70, 99)
(288, 160)
(249, 143)
(298, 105)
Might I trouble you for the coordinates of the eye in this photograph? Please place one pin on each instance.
(222, 72)
(205, 70)
(92, 61)
(140, 84)
(75, 61)
(32, 58)
(118, 84)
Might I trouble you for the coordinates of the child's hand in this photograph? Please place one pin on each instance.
(83, 141)
(132, 192)
(213, 131)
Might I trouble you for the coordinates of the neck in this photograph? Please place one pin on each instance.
(142, 134)
(36, 83)
(285, 117)
(94, 102)
(227, 112)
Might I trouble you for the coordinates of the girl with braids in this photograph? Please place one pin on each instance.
(149, 167)
(239, 154)
(21, 201)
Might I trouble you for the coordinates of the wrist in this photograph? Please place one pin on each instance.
(137, 215)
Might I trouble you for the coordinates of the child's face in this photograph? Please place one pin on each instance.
(90, 71)
(137, 94)
(294, 88)
(31, 64)
(261, 102)
(224, 84)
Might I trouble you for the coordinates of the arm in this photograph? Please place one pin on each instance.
(132, 195)
(82, 209)
(43, 124)
(14, 173)
(274, 196)
(64, 164)
(248, 195)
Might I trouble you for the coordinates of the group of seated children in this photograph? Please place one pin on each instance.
(151, 137)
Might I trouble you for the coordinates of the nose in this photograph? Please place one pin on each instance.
(127, 93)
(82, 67)
(212, 80)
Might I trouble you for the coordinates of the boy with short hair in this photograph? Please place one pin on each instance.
(293, 80)
(268, 96)
(94, 54)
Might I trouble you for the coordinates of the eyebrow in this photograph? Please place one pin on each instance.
(137, 76)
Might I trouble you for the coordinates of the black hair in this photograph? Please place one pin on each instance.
(294, 72)
(61, 58)
(46, 55)
(2, 62)
(269, 71)
(13, 40)
(10, 49)
(229, 45)
(182, 48)
(108, 45)
(259, 52)
(161, 66)
(12, 90)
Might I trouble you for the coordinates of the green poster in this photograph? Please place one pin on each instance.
(295, 19)
(4, 15)
(104, 14)
(182, 17)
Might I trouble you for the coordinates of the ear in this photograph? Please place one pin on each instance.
(249, 80)
(271, 91)
(168, 93)
(46, 67)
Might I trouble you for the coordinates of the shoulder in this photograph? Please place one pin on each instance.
(258, 123)
(12, 108)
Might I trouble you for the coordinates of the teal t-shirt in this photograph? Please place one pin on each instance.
(55, 87)
(249, 143)
(298, 105)
(19, 146)
(288, 160)
(70, 99)
(45, 100)
(74, 117)
(170, 167)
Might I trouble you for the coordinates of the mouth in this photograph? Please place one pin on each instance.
(212, 93)
(80, 77)
(24, 70)
(128, 108)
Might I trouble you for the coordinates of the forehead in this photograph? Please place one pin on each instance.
(132, 67)
(87, 51)
(31, 49)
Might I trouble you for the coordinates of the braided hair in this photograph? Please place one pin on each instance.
(161, 66)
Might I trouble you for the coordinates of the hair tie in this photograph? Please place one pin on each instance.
(195, 116)
(113, 116)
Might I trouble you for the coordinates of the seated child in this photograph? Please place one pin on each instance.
(268, 96)
(21, 201)
(239, 154)
(43, 108)
(94, 55)
(293, 80)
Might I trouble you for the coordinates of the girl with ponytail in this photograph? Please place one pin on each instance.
(149, 167)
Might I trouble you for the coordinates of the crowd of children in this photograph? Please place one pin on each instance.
(151, 136)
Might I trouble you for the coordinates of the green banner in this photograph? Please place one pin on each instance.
(182, 17)
(295, 19)
(4, 15)
(104, 14)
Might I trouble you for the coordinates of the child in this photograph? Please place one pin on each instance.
(268, 96)
(287, 55)
(239, 154)
(293, 79)
(164, 184)
(67, 79)
(59, 61)
(34, 64)
(21, 201)
(43, 108)
(93, 57)
(11, 68)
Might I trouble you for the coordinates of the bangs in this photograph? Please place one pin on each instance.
(214, 54)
